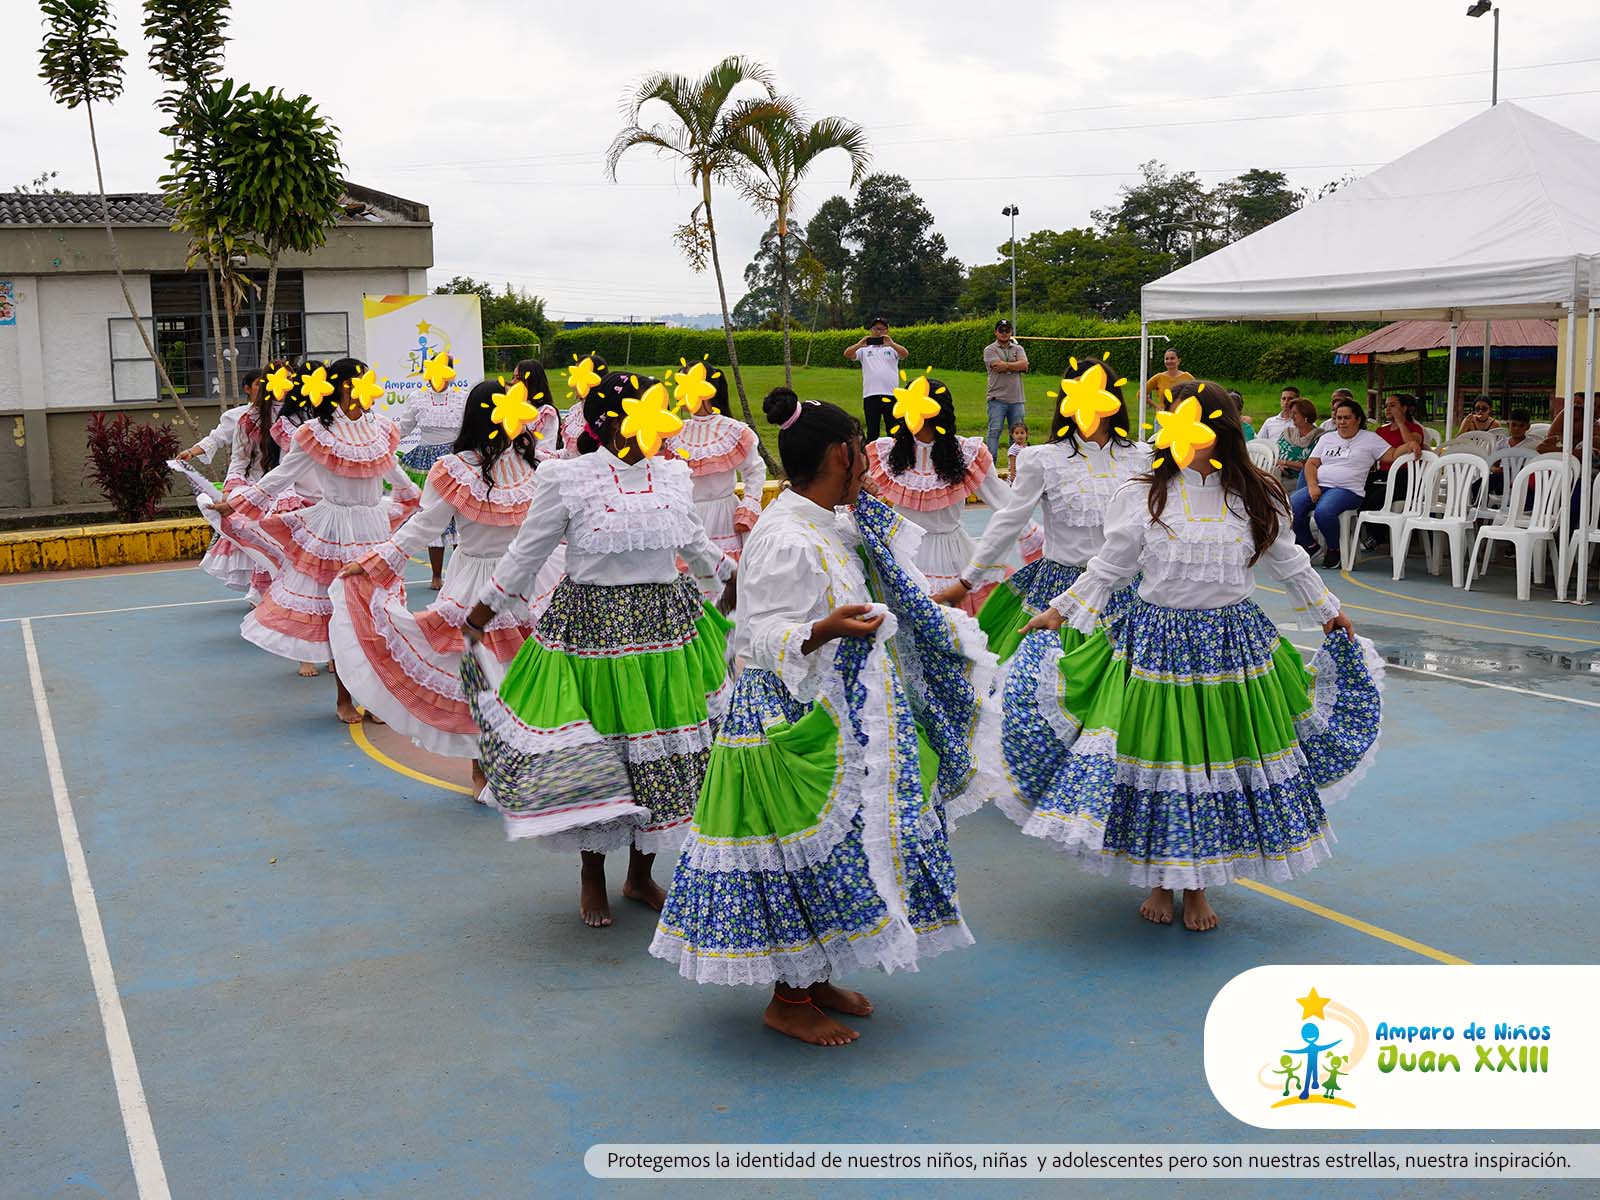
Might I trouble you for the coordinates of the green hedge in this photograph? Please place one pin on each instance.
(1232, 351)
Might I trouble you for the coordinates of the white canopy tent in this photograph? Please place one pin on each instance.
(1498, 217)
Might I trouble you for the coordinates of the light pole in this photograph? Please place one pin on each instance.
(1477, 10)
(1011, 210)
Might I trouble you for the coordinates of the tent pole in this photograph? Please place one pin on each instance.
(1566, 441)
(1144, 372)
(1487, 337)
(1586, 484)
(1450, 388)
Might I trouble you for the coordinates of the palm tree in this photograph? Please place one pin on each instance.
(81, 62)
(777, 153)
(703, 134)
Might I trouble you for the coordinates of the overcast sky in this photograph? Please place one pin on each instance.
(497, 113)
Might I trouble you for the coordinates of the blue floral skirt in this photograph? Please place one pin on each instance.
(1192, 747)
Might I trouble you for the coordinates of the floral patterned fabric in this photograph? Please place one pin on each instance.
(1192, 746)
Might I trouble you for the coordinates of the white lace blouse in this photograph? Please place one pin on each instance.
(623, 523)
(1200, 560)
(1074, 488)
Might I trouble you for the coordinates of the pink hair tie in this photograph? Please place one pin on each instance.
(794, 416)
(593, 436)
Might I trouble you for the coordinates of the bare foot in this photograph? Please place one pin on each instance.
(369, 715)
(308, 670)
(836, 999)
(348, 712)
(807, 1023)
(1198, 914)
(647, 892)
(1157, 906)
(435, 583)
(592, 900)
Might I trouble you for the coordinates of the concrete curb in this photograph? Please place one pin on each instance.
(77, 547)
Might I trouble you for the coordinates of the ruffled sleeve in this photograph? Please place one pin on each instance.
(547, 442)
(1127, 517)
(387, 562)
(784, 580)
(239, 459)
(223, 434)
(252, 500)
(998, 495)
(536, 540)
(1288, 562)
(753, 471)
(1013, 510)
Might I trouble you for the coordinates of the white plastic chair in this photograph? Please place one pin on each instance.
(1453, 484)
(1264, 454)
(1532, 535)
(1432, 436)
(1593, 535)
(1393, 513)
(1538, 432)
(1472, 442)
(1510, 460)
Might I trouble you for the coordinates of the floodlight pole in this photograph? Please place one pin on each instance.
(1478, 8)
(1011, 210)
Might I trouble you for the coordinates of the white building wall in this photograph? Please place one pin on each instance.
(74, 335)
(342, 291)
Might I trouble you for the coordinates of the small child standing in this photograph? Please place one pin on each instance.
(1019, 440)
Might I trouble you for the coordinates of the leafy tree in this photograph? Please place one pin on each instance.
(285, 181)
(81, 62)
(39, 185)
(901, 268)
(825, 234)
(702, 133)
(1256, 199)
(776, 259)
(511, 306)
(778, 152)
(1075, 270)
(1167, 212)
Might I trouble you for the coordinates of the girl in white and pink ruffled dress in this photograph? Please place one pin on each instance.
(927, 476)
(406, 666)
(718, 447)
(346, 453)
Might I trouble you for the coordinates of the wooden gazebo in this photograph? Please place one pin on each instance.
(1521, 352)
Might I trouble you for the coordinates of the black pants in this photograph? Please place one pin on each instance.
(876, 410)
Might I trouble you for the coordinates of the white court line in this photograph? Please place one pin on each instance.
(1499, 687)
(98, 612)
(150, 1177)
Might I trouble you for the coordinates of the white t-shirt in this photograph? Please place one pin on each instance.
(1345, 463)
(880, 370)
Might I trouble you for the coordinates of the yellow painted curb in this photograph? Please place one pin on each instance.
(76, 547)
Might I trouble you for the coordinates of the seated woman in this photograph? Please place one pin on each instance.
(1296, 440)
(1336, 474)
(1481, 418)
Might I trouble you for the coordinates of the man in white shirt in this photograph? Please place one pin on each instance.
(879, 356)
(1273, 426)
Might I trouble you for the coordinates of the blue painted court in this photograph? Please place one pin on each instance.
(339, 981)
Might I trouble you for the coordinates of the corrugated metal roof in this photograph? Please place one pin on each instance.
(1405, 336)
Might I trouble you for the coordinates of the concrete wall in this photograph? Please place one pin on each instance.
(80, 249)
(342, 291)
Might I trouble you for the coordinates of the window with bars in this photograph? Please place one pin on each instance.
(196, 361)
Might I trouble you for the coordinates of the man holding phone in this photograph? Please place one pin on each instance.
(879, 356)
(1007, 361)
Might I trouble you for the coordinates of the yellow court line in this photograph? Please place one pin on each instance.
(1501, 629)
(358, 735)
(1492, 612)
(1366, 927)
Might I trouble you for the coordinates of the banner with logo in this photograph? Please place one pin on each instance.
(1401, 1047)
(404, 331)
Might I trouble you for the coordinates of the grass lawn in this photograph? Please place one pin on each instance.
(842, 386)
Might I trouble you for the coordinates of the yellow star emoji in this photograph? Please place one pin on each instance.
(1183, 433)
(913, 405)
(280, 383)
(582, 378)
(1312, 1006)
(692, 389)
(367, 389)
(438, 371)
(512, 410)
(648, 420)
(1086, 400)
(316, 387)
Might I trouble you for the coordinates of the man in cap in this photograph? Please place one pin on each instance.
(879, 356)
(1006, 361)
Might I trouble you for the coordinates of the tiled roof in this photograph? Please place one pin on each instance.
(361, 205)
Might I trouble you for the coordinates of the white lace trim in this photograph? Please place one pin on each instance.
(809, 962)
(513, 475)
(616, 508)
(1076, 493)
(373, 437)
(716, 437)
(1325, 692)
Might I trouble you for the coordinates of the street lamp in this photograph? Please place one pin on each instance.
(1477, 10)
(1011, 210)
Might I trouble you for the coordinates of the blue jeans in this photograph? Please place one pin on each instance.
(1326, 509)
(1003, 414)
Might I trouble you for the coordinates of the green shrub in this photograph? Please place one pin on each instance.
(1287, 360)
